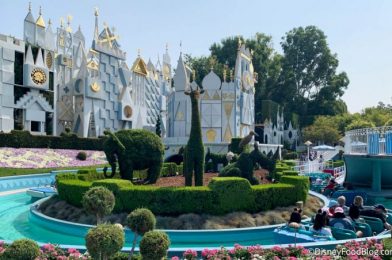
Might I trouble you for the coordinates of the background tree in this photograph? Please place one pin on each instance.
(309, 75)
(323, 130)
(140, 221)
(158, 127)
(98, 201)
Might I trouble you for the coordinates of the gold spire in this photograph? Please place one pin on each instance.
(194, 75)
(40, 21)
(69, 19)
(239, 42)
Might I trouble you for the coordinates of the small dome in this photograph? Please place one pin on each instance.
(211, 81)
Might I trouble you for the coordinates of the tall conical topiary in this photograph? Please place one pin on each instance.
(158, 130)
(194, 150)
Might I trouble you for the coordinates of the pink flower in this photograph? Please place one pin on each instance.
(175, 258)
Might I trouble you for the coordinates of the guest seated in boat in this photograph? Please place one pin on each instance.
(330, 188)
(342, 203)
(380, 212)
(332, 205)
(355, 208)
(320, 223)
(296, 216)
(339, 220)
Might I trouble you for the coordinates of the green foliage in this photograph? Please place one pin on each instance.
(234, 146)
(290, 173)
(154, 245)
(358, 124)
(225, 192)
(213, 159)
(301, 184)
(290, 163)
(141, 220)
(242, 168)
(338, 163)
(180, 169)
(81, 156)
(169, 169)
(89, 175)
(22, 249)
(322, 130)
(135, 150)
(98, 201)
(104, 240)
(72, 190)
(221, 196)
(124, 256)
(194, 150)
(114, 185)
(23, 139)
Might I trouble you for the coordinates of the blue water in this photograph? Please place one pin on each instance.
(15, 224)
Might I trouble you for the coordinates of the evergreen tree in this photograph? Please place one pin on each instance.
(158, 127)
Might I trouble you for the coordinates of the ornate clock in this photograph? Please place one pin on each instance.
(38, 76)
(128, 111)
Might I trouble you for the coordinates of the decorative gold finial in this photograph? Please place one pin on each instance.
(194, 75)
(239, 42)
(29, 6)
(40, 10)
(96, 12)
(61, 22)
(224, 74)
(231, 75)
(69, 19)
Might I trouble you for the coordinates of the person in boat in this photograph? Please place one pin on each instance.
(332, 205)
(355, 208)
(295, 216)
(342, 203)
(319, 225)
(330, 188)
(380, 212)
(339, 220)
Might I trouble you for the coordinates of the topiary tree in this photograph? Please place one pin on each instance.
(104, 241)
(22, 249)
(194, 150)
(98, 201)
(154, 245)
(140, 221)
(134, 150)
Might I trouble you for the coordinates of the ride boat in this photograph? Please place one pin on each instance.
(41, 192)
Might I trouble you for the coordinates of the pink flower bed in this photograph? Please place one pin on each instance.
(47, 158)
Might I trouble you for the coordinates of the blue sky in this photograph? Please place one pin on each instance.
(359, 31)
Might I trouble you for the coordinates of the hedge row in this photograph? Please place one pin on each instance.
(222, 195)
(23, 139)
(171, 169)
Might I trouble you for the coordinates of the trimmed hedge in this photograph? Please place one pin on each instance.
(290, 173)
(169, 169)
(23, 139)
(223, 195)
(114, 185)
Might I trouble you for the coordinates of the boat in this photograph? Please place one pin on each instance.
(41, 192)
(289, 235)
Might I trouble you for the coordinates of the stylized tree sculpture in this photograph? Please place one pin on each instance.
(194, 150)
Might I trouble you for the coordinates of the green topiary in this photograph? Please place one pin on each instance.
(22, 249)
(154, 245)
(194, 150)
(114, 185)
(104, 240)
(140, 221)
(134, 150)
(98, 201)
(81, 156)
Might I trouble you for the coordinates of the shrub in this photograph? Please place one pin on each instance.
(18, 139)
(154, 245)
(114, 185)
(290, 173)
(140, 221)
(301, 184)
(225, 193)
(98, 201)
(82, 156)
(234, 145)
(22, 249)
(104, 240)
(72, 191)
(290, 163)
(180, 169)
(278, 175)
(171, 167)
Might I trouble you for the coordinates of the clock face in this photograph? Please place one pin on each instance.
(38, 76)
(128, 111)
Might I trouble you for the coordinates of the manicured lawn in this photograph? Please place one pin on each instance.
(23, 171)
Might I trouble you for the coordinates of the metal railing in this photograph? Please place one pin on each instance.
(376, 140)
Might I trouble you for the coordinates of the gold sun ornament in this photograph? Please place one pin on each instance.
(38, 76)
